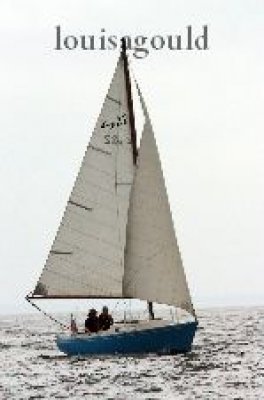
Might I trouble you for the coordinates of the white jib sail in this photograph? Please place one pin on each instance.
(153, 265)
(87, 256)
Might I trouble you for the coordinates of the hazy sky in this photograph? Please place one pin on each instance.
(207, 113)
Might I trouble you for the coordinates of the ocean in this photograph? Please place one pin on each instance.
(226, 362)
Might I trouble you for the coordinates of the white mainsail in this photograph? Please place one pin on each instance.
(153, 265)
(87, 256)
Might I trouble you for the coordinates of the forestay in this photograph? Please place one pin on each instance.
(87, 256)
(153, 265)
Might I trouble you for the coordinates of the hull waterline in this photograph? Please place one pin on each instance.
(172, 338)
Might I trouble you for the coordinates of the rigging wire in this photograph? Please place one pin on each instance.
(62, 325)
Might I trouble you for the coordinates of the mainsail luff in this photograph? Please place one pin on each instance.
(87, 256)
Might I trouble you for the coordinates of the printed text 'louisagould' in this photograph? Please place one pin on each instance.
(189, 39)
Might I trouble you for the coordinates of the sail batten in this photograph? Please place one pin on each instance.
(73, 297)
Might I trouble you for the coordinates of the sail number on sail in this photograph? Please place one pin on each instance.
(114, 138)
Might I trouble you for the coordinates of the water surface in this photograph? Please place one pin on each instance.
(226, 362)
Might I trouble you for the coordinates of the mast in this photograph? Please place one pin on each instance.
(129, 101)
(150, 310)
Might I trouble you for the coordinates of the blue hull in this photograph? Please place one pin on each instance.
(166, 339)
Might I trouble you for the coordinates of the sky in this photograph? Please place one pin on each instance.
(207, 112)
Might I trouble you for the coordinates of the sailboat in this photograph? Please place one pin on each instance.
(116, 239)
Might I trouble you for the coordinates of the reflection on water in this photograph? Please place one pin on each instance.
(226, 363)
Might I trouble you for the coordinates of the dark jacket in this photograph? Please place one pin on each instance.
(92, 324)
(105, 321)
